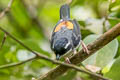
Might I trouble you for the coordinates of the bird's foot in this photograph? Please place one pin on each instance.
(74, 51)
(85, 49)
(67, 60)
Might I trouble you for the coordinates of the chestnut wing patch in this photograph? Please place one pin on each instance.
(68, 24)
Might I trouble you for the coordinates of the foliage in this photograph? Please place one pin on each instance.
(32, 21)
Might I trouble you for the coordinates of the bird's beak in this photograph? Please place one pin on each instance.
(57, 56)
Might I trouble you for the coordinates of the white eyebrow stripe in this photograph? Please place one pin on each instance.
(67, 45)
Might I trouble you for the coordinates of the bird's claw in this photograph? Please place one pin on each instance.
(85, 49)
(67, 60)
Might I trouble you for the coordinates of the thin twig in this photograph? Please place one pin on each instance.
(18, 41)
(53, 61)
(16, 64)
(3, 41)
(6, 9)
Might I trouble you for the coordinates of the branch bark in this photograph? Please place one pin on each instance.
(6, 9)
(16, 64)
(3, 41)
(81, 56)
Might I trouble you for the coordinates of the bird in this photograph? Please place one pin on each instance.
(66, 35)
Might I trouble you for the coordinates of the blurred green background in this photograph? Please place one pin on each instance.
(32, 22)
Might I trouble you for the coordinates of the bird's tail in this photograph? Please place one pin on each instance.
(65, 12)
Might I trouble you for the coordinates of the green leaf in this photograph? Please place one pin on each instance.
(113, 21)
(114, 72)
(108, 67)
(68, 76)
(106, 54)
(114, 4)
(118, 53)
(102, 57)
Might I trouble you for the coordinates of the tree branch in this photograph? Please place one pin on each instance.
(3, 41)
(46, 58)
(81, 56)
(16, 64)
(6, 9)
